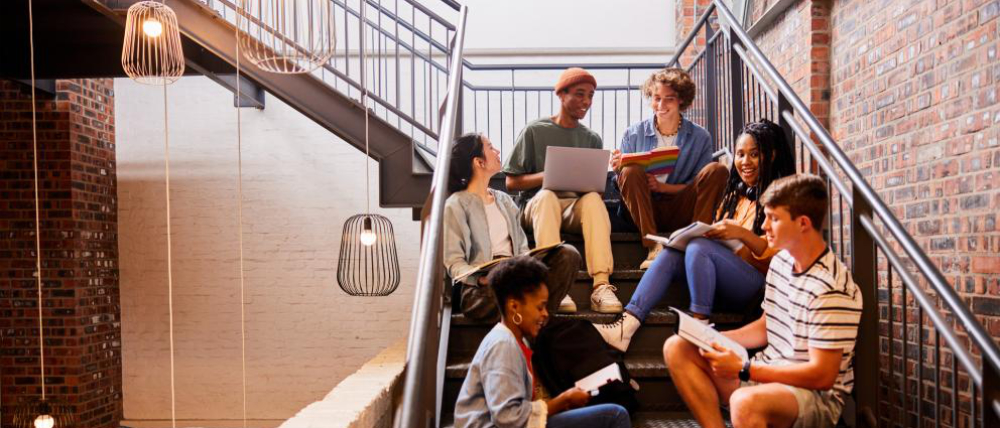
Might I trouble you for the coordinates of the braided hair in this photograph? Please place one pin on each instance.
(465, 149)
(776, 161)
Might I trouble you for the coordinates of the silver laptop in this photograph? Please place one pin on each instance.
(572, 169)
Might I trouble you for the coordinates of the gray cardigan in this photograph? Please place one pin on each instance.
(467, 234)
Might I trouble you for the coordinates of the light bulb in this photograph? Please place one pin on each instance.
(44, 421)
(152, 28)
(368, 237)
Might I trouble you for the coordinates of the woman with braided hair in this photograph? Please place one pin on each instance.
(709, 268)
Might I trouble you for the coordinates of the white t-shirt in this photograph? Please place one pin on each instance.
(818, 308)
(500, 242)
(664, 141)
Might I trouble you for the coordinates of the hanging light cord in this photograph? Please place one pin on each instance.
(239, 216)
(170, 269)
(364, 104)
(38, 215)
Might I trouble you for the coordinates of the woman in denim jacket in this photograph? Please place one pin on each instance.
(499, 389)
(482, 224)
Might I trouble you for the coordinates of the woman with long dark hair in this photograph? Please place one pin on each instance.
(709, 268)
(482, 224)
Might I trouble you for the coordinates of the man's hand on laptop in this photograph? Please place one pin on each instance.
(725, 363)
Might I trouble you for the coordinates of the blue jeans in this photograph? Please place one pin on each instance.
(597, 416)
(709, 269)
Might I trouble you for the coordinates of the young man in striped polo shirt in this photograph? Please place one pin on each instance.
(811, 312)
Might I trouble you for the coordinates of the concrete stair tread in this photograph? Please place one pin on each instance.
(618, 274)
(639, 366)
(656, 317)
(652, 420)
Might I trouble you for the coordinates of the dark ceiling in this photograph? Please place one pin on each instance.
(72, 40)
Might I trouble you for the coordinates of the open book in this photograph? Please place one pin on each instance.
(537, 253)
(658, 161)
(602, 377)
(703, 335)
(679, 239)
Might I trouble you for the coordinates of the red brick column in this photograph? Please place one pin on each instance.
(687, 14)
(79, 228)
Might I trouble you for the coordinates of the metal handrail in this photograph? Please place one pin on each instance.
(928, 271)
(420, 364)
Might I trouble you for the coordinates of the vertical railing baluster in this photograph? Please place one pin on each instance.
(937, 378)
(954, 391)
(711, 89)
(991, 393)
(920, 366)
(891, 381)
(906, 347)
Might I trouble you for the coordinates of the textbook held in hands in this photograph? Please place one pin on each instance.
(537, 253)
(703, 335)
(680, 238)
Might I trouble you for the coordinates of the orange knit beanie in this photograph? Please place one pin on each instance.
(573, 76)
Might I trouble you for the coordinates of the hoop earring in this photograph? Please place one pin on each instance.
(517, 318)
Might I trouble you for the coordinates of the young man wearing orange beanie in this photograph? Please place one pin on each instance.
(546, 212)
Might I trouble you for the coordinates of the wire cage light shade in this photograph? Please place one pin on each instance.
(43, 413)
(152, 52)
(287, 36)
(368, 264)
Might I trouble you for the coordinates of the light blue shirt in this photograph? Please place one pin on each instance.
(694, 141)
(497, 390)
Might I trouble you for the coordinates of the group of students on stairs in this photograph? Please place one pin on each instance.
(811, 306)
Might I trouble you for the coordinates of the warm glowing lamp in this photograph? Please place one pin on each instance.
(44, 421)
(152, 28)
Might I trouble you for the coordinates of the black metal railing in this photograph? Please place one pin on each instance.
(921, 358)
(425, 352)
(408, 46)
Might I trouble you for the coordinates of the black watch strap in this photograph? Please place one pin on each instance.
(745, 373)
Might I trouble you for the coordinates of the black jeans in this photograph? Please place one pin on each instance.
(480, 303)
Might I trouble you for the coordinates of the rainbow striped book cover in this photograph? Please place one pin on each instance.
(658, 161)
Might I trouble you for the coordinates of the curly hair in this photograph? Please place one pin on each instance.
(674, 78)
(463, 151)
(515, 277)
(776, 161)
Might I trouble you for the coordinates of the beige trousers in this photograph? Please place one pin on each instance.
(546, 215)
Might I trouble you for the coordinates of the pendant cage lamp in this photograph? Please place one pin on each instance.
(43, 413)
(368, 264)
(152, 52)
(287, 36)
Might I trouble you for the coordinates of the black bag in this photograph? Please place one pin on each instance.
(567, 350)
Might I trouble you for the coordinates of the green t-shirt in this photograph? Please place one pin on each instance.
(528, 156)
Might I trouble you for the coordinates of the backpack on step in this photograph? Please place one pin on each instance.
(567, 350)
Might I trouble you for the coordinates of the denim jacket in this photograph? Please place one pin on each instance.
(467, 232)
(694, 141)
(497, 390)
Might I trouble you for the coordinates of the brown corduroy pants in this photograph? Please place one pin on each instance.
(666, 213)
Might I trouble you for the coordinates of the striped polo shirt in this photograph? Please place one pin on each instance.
(818, 308)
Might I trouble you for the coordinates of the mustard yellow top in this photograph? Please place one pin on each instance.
(746, 211)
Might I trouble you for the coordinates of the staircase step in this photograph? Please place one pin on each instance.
(626, 247)
(641, 420)
(466, 334)
(626, 281)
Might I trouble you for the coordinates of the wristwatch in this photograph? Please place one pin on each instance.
(745, 373)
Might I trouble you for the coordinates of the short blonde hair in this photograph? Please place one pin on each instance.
(676, 79)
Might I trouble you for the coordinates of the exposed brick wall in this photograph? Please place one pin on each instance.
(913, 88)
(687, 14)
(79, 251)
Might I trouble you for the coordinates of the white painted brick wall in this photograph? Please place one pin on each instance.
(301, 183)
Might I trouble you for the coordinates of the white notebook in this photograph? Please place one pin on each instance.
(680, 238)
(703, 335)
(600, 378)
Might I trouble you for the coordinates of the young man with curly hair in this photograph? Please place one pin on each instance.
(692, 191)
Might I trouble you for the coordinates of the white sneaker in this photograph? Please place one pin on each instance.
(619, 333)
(653, 252)
(604, 300)
(567, 306)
